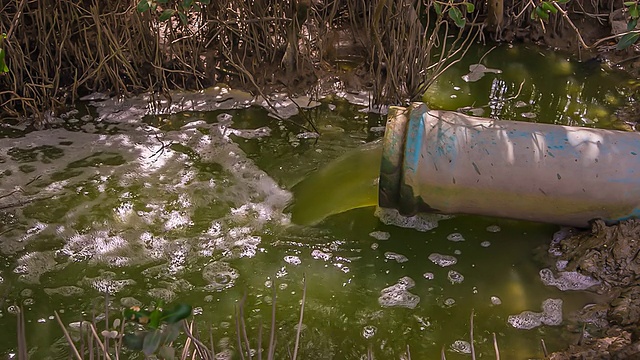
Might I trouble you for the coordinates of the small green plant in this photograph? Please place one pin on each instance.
(3, 65)
(454, 12)
(158, 328)
(167, 9)
(543, 10)
(630, 38)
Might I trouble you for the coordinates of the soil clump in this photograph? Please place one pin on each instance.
(610, 254)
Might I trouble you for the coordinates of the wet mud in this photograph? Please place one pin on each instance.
(611, 255)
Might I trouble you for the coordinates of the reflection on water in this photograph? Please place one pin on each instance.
(195, 211)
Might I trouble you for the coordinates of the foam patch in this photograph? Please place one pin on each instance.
(398, 295)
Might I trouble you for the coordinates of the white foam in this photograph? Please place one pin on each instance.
(320, 255)
(551, 315)
(219, 275)
(420, 222)
(443, 260)
(399, 258)
(397, 295)
(455, 237)
(455, 277)
(567, 280)
(380, 235)
(461, 347)
(293, 260)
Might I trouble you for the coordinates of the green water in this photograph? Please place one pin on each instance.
(194, 207)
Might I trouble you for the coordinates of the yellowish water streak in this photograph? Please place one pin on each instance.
(349, 182)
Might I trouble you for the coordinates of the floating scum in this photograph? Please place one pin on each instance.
(447, 162)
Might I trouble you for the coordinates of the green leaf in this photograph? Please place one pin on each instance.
(547, 6)
(183, 17)
(144, 5)
(134, 341)
(151, 342)
(162, 1)
(187, 4)
(438, 8)
(627, 40)
(178, 312)
(470, 7)
(167, 14)
(542, 14)
(3, 65)
(562, 1)
(632, 24)
(196, 7)
(633, 11)
(205, 2)
(629, 3)
(456, 15)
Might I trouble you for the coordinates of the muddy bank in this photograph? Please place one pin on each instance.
(610, 254)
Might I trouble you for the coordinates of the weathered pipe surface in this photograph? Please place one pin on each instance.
(446, 162)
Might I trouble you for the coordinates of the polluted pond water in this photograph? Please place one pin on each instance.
(212, 197)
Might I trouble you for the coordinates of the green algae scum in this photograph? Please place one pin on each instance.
(207, 205)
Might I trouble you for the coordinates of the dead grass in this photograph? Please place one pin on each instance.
(60, 50)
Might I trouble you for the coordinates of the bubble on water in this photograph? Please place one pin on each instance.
(485, 244)
(443, 260)
(380, 235)
(496, 300)
(320, 255)
(369, 331)
(551, 315)
(455, 277)
(457, 252)
(526, 320)
(552, 312)
(307, 135)
(428, 276)
(219, 275)
(13, 309)
(65, 291)
(567, 280)
(461, 347)
(374, 246)
(208, 298)
(197, 310)
(397, 295)
(455, 237)
(448, 302)
(283, 286)
(529, 115)
(420, 222)
(561, 264)
(28, 301)
(26, 292)
(399, 258)
(293, 260)
(493, 228)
